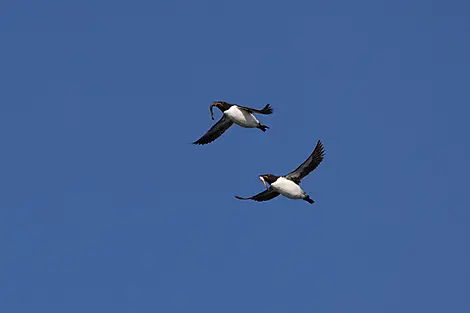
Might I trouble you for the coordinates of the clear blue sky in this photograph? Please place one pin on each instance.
(106, 207)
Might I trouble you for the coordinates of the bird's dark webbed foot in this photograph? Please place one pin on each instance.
(308, 199)
(262, 127)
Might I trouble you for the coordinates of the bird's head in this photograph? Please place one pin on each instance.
(222, 105)
(268, 179)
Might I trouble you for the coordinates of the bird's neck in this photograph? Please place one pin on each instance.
(224, 106)
(271, 179)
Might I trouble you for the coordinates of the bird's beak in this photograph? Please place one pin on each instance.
(264, 182)
(212, 112)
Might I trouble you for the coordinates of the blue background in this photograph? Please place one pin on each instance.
(105, 206)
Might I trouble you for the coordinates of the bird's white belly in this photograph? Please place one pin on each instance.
(241, 117)
(288, 188)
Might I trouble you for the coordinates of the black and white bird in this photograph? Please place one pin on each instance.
(233, 113)
(288, 185)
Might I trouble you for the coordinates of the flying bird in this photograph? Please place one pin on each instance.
(288, 185)
(233, 113)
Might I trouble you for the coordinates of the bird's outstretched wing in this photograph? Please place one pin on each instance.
(215, 131)
(266, 110)
(309, 165)
(266, 195)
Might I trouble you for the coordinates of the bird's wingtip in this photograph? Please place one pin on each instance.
(268, 109)
(241, 198)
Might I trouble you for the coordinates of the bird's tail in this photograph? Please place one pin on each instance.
(308, 199)
(263, 127)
